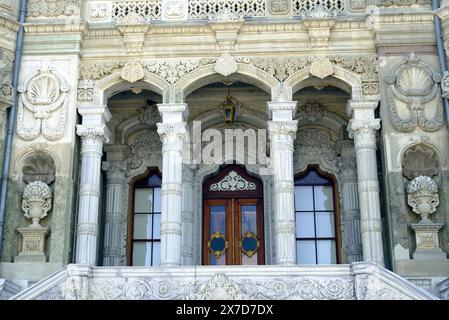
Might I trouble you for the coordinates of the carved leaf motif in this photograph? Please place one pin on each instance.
(233, 182)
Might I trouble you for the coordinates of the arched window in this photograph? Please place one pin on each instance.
(146, 221)
(316, 239)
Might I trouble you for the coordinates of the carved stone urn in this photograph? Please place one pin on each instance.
(422, 197)
(36, 203)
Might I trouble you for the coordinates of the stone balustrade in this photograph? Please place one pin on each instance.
(357, 281)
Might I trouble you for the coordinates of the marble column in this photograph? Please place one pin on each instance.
(362, 127)
(93, 133)
(282, 133)
(347, 166)
(115, 169)
(172, 131)
(187, 216)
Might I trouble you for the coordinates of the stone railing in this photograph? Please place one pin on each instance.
(215, 10)
(358, 281)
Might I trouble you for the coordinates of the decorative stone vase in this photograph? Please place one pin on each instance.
(422, 197)
(36, 202)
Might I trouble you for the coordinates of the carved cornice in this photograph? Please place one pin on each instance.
(400, 18)
(9, 24)
(53, 28)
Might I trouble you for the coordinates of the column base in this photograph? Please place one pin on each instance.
(427, 243)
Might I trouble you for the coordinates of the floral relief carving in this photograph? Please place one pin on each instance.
(146, 146)
(43, 105)
(311, 111)
(132, 72)
(86, 90)
(414, 84)
(53, 8)
(172, 70)
(6, 65)
(315, 146)
(233, 182)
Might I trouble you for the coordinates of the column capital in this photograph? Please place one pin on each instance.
(172, 131)
(282, 127)
(173, 112)
(100, 132)
(356, 126)
(281, 110)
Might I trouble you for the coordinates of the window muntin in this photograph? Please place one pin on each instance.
(146, 235)
(315, 220)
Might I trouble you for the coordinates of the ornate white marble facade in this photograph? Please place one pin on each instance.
(109, 89)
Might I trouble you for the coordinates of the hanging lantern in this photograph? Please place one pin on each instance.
(229, 107)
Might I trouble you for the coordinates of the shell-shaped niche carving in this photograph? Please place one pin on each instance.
(420, 160)
(414, 81)
(43, 90)
(38, 166)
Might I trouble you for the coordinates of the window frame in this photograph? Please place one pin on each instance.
(336, 196)
(133, 186)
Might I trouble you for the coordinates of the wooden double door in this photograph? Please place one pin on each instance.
(233, 219)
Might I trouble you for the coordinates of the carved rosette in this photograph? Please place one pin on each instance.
(422, 197)
(414, 84)
(132, 72)
(225, 65)
(43, 105)
(36, 202)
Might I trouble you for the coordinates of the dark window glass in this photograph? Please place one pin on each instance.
(146, 222)
(315, 220)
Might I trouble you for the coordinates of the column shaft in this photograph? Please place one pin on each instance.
(368, 185)
(171, 221)
(115, 187)
(282, 135)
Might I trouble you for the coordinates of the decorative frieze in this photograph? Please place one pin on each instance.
(414, 84)
(402, 3)
(280, 68)
(53, 8)
(42, 107)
